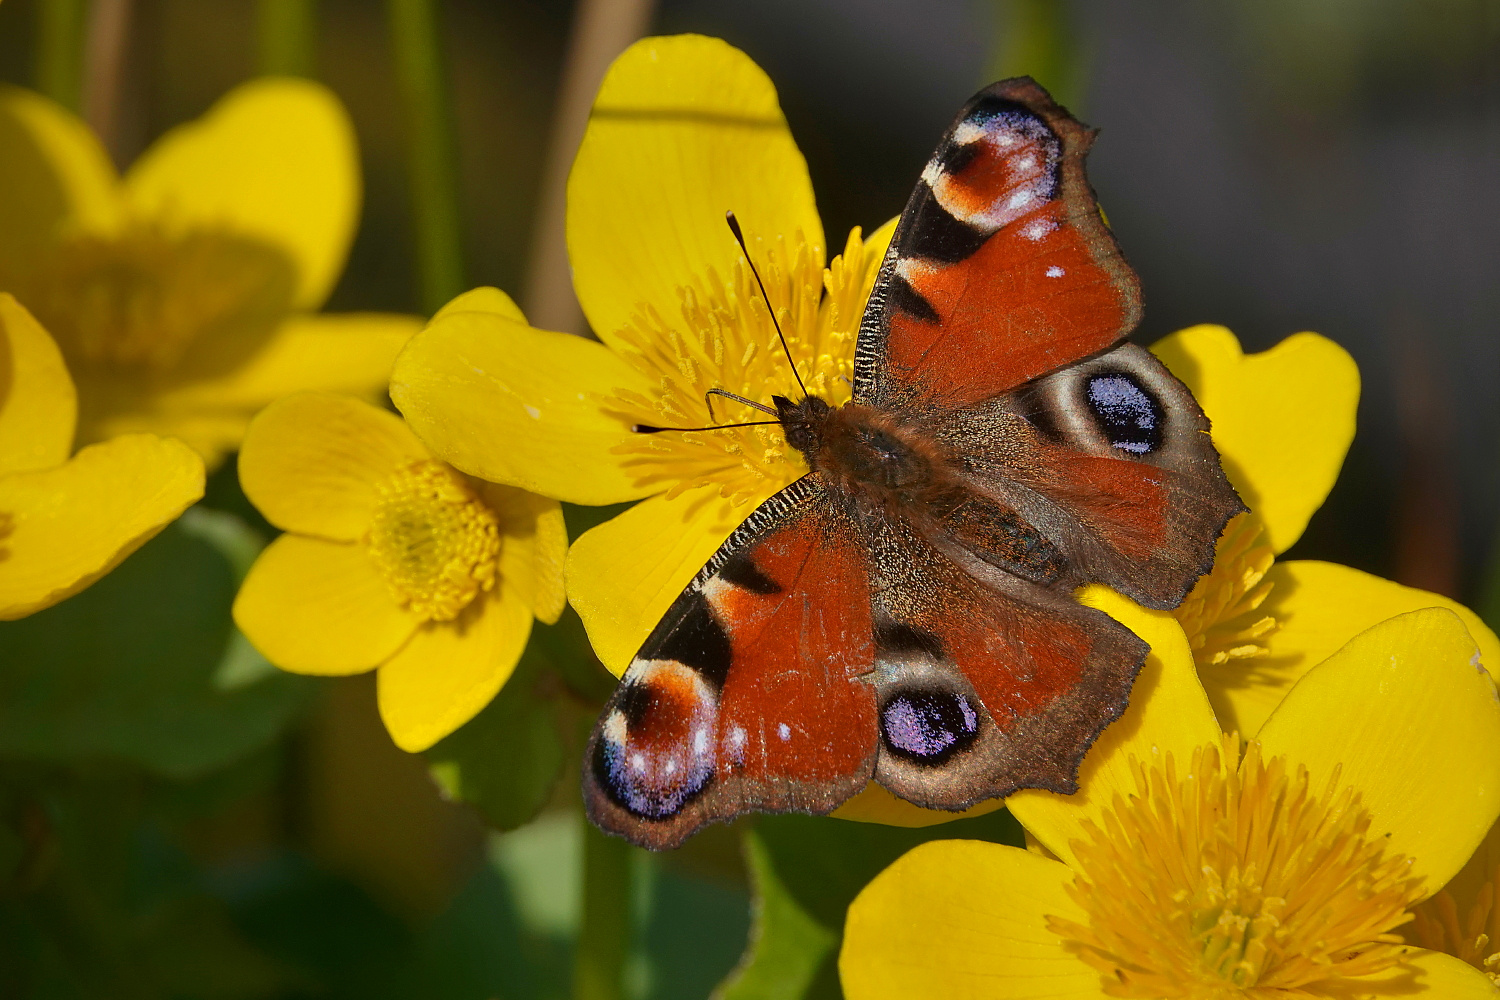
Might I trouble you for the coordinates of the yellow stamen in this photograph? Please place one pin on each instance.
(1475, 940)
(434, 540)
(724, 339)
(1220, 615)
(144, 298)
(1235, 882)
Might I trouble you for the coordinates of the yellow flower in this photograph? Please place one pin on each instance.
(65, 522)
(182, 295)
(1282, 421)
(1181, 870)
(392, 559)
(683, 129)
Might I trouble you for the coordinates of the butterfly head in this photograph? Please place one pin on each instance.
(802, 422)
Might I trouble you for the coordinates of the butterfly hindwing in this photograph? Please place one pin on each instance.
(751, 694)
(1001, 268)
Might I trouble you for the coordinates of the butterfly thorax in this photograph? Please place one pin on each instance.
(859, 449)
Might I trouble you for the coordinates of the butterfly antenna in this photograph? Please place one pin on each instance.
(739, 237)
(652, 429)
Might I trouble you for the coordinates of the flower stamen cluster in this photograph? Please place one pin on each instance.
(1219, 614)
(1235, 880)
(725, 339)
(434, 540)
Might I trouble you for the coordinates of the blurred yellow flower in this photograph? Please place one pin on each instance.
(683, 128)
(65, 522)
(392, 559)
(1282, 421)
(182, 295)
(1182, 870)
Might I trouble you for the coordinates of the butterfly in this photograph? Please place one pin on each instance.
(903, 613)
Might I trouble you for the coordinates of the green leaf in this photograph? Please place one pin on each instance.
(787, 945)
(507, 759)
(807, 870)
(144, 665)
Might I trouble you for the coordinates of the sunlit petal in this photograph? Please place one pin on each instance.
(63, 528)
(684, 129)
(964, 920)
(1318, 606)
(450, 670)
(1407, 716)
(1282, 419)
(516, 405)
(318, 607)
(534, 547)
(312, 463)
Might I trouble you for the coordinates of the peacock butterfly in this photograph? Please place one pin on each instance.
(904, 611)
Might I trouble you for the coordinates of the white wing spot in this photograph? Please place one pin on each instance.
(1055, 272)
(1038, 229)
(784, 731)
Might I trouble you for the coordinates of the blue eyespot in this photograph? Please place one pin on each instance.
(1130, 416)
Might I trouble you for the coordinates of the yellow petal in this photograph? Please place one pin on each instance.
(451, 670)
(1168, 713)
(534, 547)
(516, 405)
(276, 159)
(38, 406)
(63, 528)
(964, 920)
(311, 463)
(55, 178)
(1282, 419)
(1319, 607)
(684, 129)
(624, 574)
(1421, 973)
(318, 607)
(1412, 720)
(485, 299)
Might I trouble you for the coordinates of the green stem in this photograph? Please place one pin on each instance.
(286, 34)
(1035, 39)
(604, 934)
(59, 51)
(431, 148)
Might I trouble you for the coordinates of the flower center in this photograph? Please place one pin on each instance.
(1230, 882)
(1474, 939)
(142, 298)
(1220, 615)
(436, 543)
(723, 338)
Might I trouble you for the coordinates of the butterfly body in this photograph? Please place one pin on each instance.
(903, 612)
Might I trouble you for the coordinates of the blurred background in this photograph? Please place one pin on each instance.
(1271, 165)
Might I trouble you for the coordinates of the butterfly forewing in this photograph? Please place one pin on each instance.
(1001, 268)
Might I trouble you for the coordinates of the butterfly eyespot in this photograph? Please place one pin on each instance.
(1130, 416)
(928, 727)
(655, 750)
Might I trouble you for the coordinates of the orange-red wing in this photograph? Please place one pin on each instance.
(988, 683)
(1001, 268)
(752, 694)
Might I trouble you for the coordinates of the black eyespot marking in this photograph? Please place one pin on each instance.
(895, 638)
(744, 574)
(928, 727)
(638, 793)
(1129, 415)
(932, 233)
(910, 301)
(695, 639)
